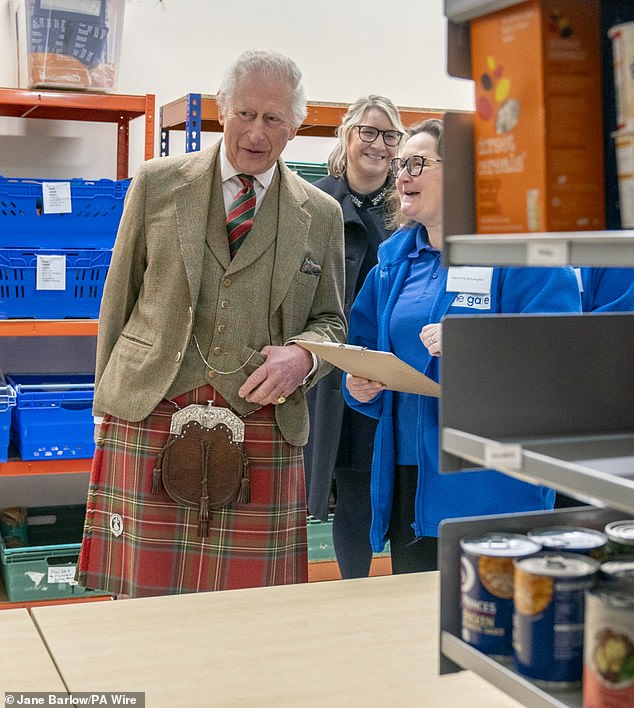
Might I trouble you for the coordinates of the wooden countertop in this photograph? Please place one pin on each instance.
(368, 642)
(25, 664)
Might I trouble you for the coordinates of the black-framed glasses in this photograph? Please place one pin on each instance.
(414, 164)
(369, 134)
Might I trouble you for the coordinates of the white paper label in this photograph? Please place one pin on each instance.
(549, 253)
(469, 279)
(503, 457)
(56, 198)
(50, 273)
(62, 574)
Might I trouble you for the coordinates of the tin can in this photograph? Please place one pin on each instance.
(621, 567)
(487, 590)
(548, 600)
(571, 539)
(620, 537)
(608, 665)
(622, 37)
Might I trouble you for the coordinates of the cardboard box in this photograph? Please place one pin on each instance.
(538, 122)
(69, 44)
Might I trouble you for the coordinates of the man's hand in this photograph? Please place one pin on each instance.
(283, 371)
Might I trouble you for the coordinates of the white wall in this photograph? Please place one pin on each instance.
(345, 48)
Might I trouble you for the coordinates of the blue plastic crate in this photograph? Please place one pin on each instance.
(52, 417)
(96, 210)
(85, 276)
(7, 402)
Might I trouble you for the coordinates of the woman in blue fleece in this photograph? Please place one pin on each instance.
(402, 302)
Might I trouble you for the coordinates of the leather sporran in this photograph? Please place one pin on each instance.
(203, 464)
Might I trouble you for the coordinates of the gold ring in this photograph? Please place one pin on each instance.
(281, 399)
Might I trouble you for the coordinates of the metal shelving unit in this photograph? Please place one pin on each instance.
(195, 113)
(522, 394)
(75, 106)
(90, 107)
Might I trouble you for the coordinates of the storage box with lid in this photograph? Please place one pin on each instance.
(45, 568)
(69, 44)
(53, 415)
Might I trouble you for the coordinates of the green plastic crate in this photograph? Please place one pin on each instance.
(311, 172)
(320, 545)
(45, 569)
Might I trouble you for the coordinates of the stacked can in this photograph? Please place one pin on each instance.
(571, 539)
(549, 601)
(620, 537)
(608, 666)
(487, 590)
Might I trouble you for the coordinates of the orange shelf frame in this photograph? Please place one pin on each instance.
(20, 468)
(91, 107)
(322, 119)
(48, 328)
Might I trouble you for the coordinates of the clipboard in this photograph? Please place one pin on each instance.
(374, 365)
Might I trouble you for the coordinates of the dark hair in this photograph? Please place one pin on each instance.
(394, 218)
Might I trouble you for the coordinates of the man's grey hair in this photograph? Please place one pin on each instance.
(269, 65)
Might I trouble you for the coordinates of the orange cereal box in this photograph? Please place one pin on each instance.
(538, 121)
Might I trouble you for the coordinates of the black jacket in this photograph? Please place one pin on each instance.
(325, 400)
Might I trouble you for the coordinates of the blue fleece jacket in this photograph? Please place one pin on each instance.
(607, 289)
(442, 496)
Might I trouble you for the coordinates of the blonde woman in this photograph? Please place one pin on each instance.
(340, 442)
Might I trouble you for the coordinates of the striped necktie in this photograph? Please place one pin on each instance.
(241, 213)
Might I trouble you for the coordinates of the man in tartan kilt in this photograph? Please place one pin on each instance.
(186, 318)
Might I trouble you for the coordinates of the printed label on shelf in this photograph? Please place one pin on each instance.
(62, 574)
(56, 198)
(547, 254)
(503, 457)
(50, 273)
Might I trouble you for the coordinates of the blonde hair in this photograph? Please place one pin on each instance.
(337, 162)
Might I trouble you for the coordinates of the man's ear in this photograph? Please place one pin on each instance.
(221, 118)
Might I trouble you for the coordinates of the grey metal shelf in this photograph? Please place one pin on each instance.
(558, 391)
(596, 469)
(586, 248)
(504, 677)
(455, 654)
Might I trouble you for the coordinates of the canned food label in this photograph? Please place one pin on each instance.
(548, 624)
(608, 670)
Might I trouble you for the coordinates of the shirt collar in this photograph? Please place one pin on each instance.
(228, 171)
(422, 244)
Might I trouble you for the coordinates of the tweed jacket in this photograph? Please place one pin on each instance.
(152, 287)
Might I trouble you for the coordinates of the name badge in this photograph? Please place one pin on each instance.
(469, 279)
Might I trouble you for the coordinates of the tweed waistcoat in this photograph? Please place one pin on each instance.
(215, 324)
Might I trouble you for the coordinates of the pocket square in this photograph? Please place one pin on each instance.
(311, 267)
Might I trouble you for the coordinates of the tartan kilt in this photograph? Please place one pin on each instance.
(141, 543)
